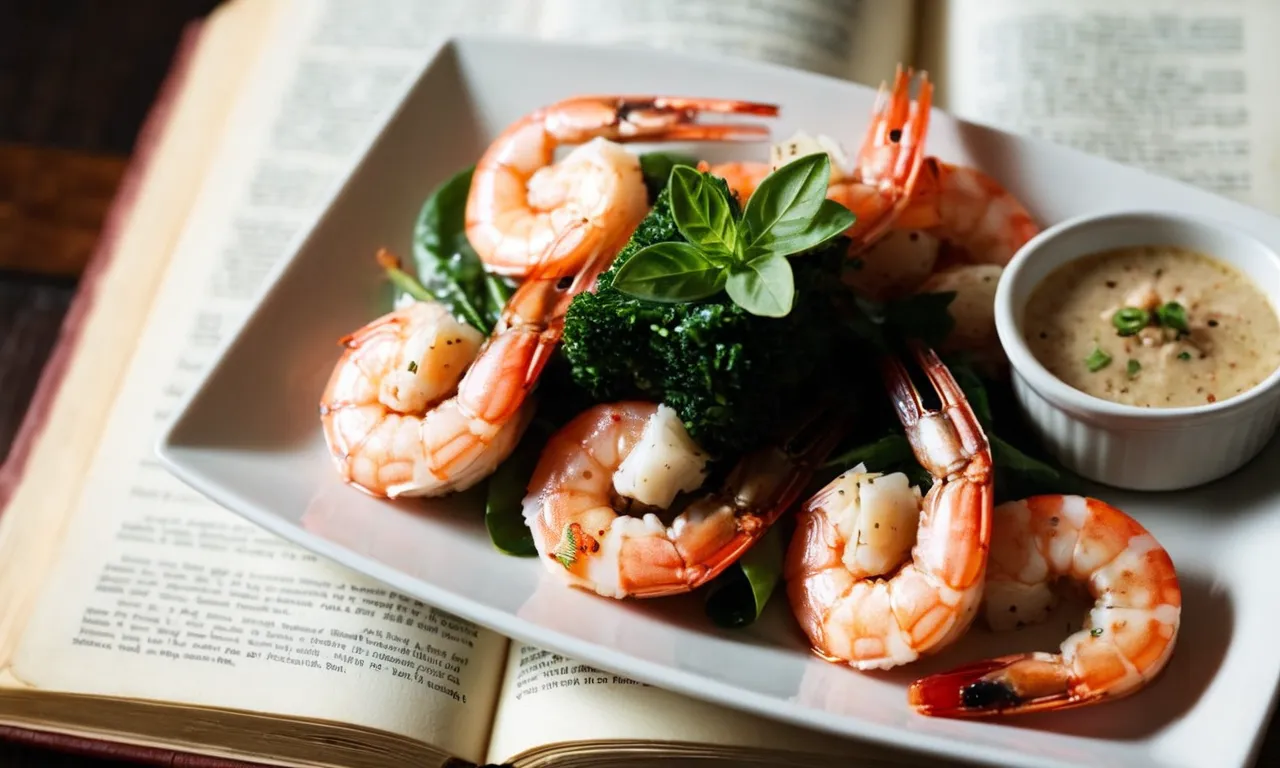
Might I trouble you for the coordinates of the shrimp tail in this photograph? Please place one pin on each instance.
(1127, 637)
(1018, 683)
(892, 154)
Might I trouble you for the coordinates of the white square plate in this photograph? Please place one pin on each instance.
(250, 439)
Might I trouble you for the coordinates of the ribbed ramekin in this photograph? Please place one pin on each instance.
(1126, 446)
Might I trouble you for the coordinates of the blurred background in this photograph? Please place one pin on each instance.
(76, 80)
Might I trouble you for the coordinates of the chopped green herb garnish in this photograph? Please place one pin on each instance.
(1173, 315)
(1096, 631)
(1097, 360)
(413, 367)
(1133, 368)
(1184, 355)
(1130, 320)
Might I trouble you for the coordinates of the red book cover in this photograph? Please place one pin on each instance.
(51, 379)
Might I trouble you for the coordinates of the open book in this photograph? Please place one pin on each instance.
(135, 613)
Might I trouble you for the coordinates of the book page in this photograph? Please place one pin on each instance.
(1181, 88)
(860, 40)
(548, 699)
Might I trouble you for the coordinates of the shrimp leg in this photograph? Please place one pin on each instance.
(1127, 638)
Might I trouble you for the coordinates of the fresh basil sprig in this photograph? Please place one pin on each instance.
(745, 256)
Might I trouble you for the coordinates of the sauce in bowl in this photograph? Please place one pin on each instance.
(1153, 326)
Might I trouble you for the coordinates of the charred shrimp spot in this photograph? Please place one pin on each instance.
(988, 694)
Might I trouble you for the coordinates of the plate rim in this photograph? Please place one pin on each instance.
(170, 452)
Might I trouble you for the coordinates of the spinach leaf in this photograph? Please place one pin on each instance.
(448, 266)
(738, 596)
(503, 508)
(656, 169)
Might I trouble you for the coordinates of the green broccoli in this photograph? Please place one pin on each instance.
(735, 378)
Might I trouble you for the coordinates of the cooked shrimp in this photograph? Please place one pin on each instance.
(878, 576)
(972, 216)
(884, 173)
(418, 406)
(520, 201)
(974, 311)
(636, 457)
(1127, 638)
(742, 176)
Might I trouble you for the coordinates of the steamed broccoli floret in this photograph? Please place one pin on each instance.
(735, 378)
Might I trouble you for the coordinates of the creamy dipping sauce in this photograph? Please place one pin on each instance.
(1158, 326)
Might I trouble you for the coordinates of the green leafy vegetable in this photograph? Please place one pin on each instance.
(656, 169)
(401, 279)
(735, 378)
(782, 215)
(1173, 315)
(1132, 368)
(787, 214)
(1097, 359)
(764, 286)
(1130, 320)
(505, 491)
(703, 215)
(675, 272)
(448, 267)
(738, 596)
(888, 451)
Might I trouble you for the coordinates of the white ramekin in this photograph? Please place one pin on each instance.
(1145, 449)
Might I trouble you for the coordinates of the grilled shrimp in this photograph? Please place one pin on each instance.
(420, 404)
(1127, 638)
(885, 170)
(596, 499)
(879, 576)
(520, 201)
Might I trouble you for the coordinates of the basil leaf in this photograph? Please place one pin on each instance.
(889, 451)
(670, 272)
(792, 193)
(796, 235)
(448, 267)
(656, 169)
(702, 213)
(763, 287)
(738, 596)
(504, 495)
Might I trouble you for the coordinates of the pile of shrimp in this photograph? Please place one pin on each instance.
(877, 574)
